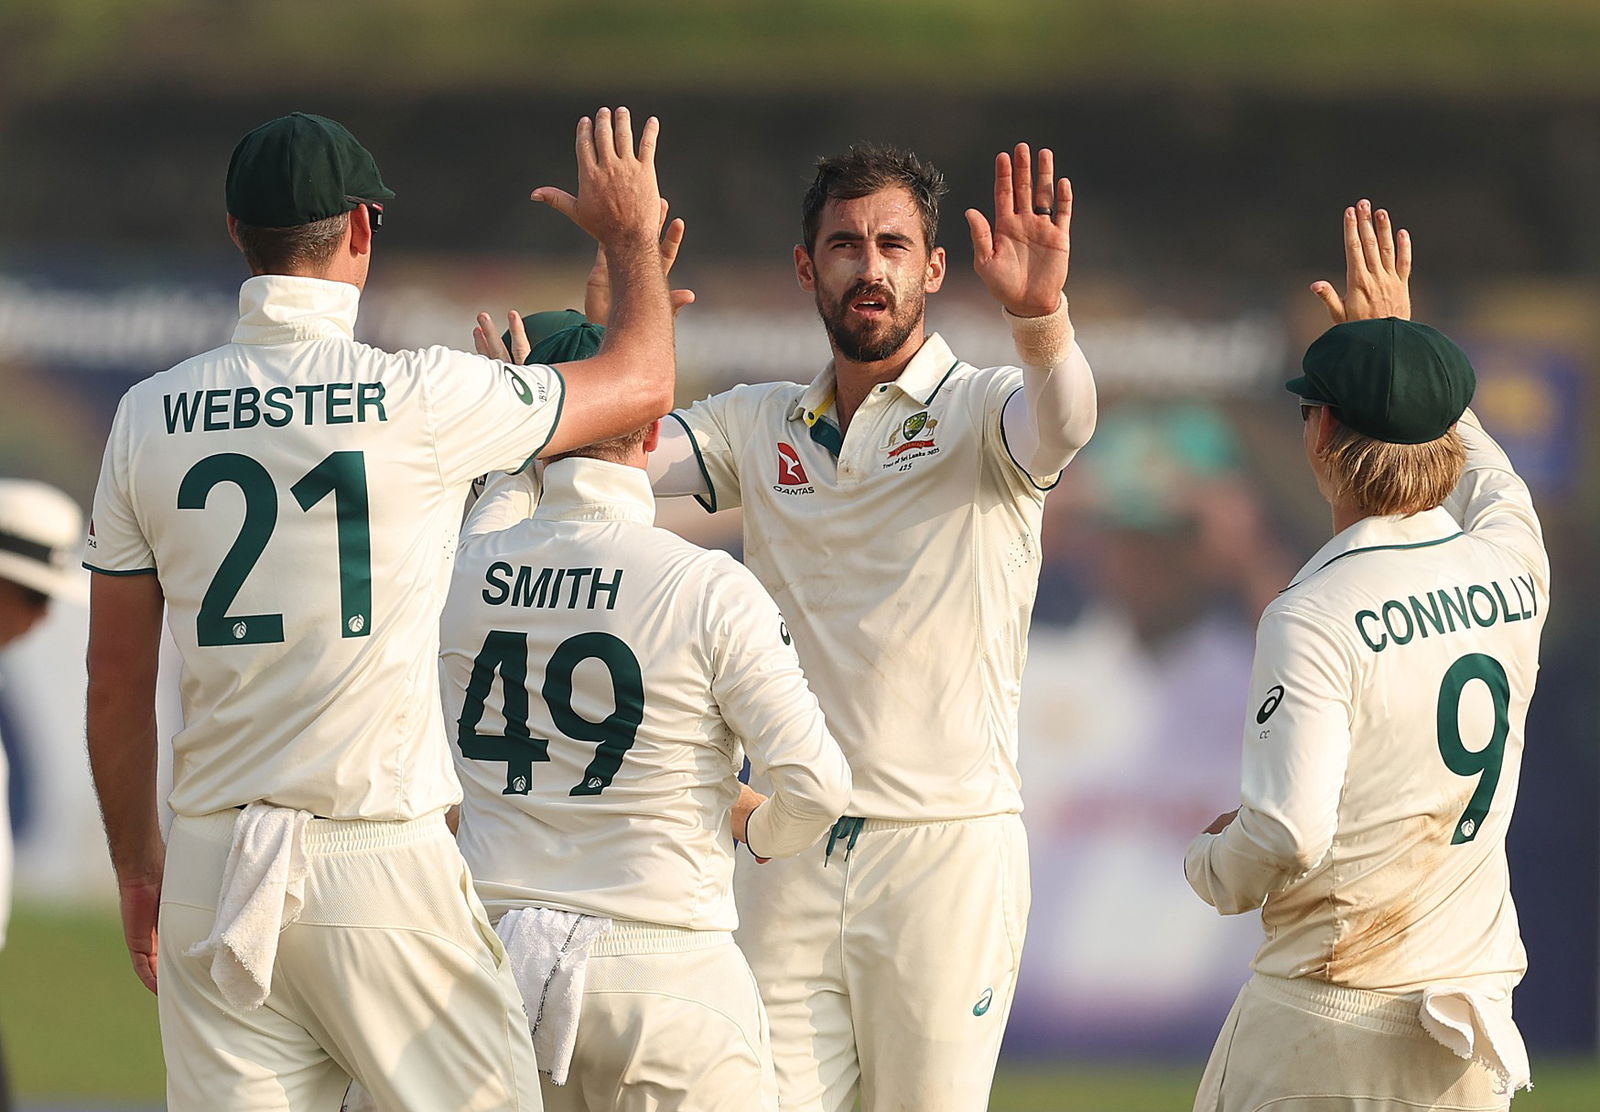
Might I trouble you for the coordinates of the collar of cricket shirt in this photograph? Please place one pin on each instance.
(1431, 527)
(280, 308)
(920, 381)
(581, 489)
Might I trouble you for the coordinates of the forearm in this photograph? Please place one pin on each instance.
(124, 644)
(122, 758)
(640, 334)
(1053, 416)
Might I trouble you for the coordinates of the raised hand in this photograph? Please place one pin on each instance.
(597, 291)
(1023, 258)
(617, 194)
(1377, 269)
(486, 340)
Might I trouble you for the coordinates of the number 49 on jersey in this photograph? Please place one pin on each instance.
(506, 653)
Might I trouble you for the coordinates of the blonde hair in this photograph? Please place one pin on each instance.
(1381, 478)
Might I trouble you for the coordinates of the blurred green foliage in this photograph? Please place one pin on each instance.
(1474, 47)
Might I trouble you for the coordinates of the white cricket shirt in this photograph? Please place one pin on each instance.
(299, 494)
(905, 555)
(604, 680)
(1383, 745)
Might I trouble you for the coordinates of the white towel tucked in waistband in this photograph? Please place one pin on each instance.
(1472, 1025)
(263, 888)
(549, 952)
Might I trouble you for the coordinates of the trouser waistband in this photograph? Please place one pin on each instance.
(628, 936)
(327, 835)
(849, 828)
(1383, 1012)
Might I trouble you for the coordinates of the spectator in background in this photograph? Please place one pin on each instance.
(1129, 724)
(40, 529)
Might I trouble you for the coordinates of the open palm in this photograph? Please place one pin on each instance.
(1022, 258)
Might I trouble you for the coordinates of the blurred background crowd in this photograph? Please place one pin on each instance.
(1212, 146)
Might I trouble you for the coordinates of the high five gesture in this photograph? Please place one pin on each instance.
(1022, 258)
(1377, 269)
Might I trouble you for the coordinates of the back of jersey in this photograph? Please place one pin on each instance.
(297, 494)
(583, 656)
(1423, 652)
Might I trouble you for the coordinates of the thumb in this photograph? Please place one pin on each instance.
(680, 298)
(982, 237)
(1329, 297)
(559, 199)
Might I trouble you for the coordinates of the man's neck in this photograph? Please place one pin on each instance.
(1345, 516)
(853, 381)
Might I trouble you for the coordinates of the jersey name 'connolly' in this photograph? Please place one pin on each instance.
(1447, 609)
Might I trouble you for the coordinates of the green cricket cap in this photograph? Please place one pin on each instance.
(1391, 379)
(568, 345)
(298, 169)
(559, 336)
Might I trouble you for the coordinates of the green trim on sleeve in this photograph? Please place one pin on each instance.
(1006, 444)
(108, 571)
(709, 504)
(561, 404)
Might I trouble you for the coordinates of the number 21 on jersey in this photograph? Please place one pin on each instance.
(506, 653)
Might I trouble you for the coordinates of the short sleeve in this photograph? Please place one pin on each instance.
(487, 415)
(116, 544)
(713, 425)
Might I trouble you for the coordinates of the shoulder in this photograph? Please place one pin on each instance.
(750, 398)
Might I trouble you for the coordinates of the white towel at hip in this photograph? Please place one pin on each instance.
(549, 952)
(263, 890)
(1472, 1025)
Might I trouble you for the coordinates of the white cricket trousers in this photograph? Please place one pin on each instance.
(887, 958)
(671, 1021)
(1308, 1046)
(391, 975)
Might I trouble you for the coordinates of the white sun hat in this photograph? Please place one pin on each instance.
(41, 536)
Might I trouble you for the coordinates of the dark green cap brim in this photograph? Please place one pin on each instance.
(1303, 387)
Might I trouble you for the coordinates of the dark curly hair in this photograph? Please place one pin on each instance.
(864, 170)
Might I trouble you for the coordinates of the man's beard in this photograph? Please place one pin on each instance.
(868, 341)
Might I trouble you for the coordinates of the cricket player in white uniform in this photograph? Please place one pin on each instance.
(293, 499)
(606, 679)
(892, 507)
(1384, 738)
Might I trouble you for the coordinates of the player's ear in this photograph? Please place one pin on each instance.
(233, 231)
(652, 436)
(358, 233)
(935, 276)
(804, 272)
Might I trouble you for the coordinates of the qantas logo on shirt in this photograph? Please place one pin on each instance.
(791, 472)
(792, 477)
